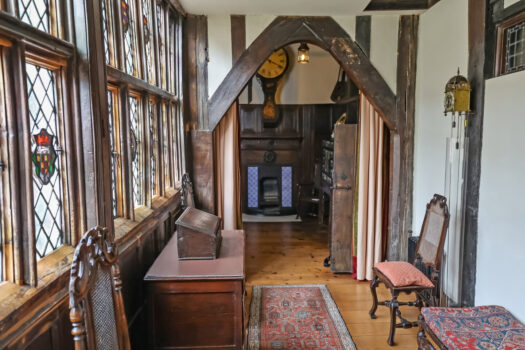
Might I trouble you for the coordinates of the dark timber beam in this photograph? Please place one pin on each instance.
(321, 31)
(238, 24)
(400, 5)
(363, 30)
(477, 15)
(402, 159)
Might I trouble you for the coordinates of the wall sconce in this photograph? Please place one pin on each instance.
(303, 53)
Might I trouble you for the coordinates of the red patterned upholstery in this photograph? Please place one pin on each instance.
(403, 274)
(482, 327)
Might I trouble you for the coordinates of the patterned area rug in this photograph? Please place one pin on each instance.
(296, 317)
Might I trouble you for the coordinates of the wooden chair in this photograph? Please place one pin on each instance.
(402, 277)
(187, 200)
(95, 298)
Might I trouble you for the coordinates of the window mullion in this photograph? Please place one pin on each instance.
(25, 234)
(146, 164)
(127, 186)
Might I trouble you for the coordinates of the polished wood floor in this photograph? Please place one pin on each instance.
(293, 253)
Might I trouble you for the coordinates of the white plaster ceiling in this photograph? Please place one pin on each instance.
(275, 7)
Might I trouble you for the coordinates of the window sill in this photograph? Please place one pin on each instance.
(17, 300)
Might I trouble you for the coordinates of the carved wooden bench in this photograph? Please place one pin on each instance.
(482, 327)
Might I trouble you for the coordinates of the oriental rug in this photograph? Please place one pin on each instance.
(296, 317)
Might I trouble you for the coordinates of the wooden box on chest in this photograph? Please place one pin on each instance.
(198, 235)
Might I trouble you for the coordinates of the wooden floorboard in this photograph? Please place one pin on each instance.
(293, 253)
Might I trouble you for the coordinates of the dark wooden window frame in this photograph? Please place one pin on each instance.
(501, 42)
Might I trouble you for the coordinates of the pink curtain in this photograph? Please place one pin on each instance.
(370, 195)
(227, 169)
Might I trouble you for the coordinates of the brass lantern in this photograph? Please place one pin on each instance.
(457, 95)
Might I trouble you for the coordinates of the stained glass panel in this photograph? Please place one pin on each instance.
(114, 154)
(515, 48)
(35, 13)
(166, 146)
(137, 153)
(154, 158)
(47, 190)
(130, 44)
(148, 41)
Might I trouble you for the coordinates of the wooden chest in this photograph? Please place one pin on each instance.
(198, 235)
(197, 304)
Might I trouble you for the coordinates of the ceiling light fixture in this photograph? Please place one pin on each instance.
(303, 53)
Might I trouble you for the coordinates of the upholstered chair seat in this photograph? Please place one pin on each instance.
(403, 274)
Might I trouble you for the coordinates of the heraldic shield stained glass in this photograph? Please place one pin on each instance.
(47, 182)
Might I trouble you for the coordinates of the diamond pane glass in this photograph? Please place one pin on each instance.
(114, 153)
(137, 156)
(286, 186)
(35, 13)
(515, 48)
(161, 46)
(148, 41)
(129, 28)
(253, 187)
(165, 145)
(171, 53)
(47, 194)
(105, 28)
(154, 149)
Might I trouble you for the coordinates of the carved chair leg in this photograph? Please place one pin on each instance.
(373, 286)
(422, 341)
(394, 306)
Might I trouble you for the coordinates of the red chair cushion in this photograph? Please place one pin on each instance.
(481, 327)
(403, 274)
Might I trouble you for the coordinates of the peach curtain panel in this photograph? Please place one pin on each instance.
(227, 169)
(370, 196)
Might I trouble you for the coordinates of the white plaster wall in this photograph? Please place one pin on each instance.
(347, 23)
(501, 237)
(219, 50)
(443, 47)
(255, 24)
(383, 47)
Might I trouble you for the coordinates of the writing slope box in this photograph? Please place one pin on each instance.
(198, 235)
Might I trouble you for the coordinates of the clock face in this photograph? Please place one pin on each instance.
(275, 65)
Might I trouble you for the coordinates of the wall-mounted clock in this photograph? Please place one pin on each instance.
(269, 75)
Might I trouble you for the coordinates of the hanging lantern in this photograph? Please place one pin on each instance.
(303, 54)
(457, 95)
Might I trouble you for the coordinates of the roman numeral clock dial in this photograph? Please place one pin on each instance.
(269, 75)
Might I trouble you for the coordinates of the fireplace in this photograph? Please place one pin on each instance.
(270, 190)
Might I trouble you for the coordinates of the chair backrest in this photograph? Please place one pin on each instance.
(187, 199)
(432, 236)
(95, 298)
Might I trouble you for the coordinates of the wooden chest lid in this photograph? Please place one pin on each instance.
(198, 220)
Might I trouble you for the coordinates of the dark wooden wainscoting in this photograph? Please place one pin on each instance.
(296, 141)
(44, 323)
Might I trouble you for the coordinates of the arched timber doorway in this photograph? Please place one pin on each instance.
(327, 34)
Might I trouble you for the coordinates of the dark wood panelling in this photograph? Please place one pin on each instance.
(203, 170)
(403, 155)
(46, 322)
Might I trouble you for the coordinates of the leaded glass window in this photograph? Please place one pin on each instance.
(515, 48)
(148, 41)
(154, 158)
(35, 13)
(107, 27)
(171, 53)
(114, 140)
(161, 45)
(166, 145)
(137, 151)
(46, 147)
(129, 28)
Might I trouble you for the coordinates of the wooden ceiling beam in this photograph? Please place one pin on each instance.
(400, 5)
